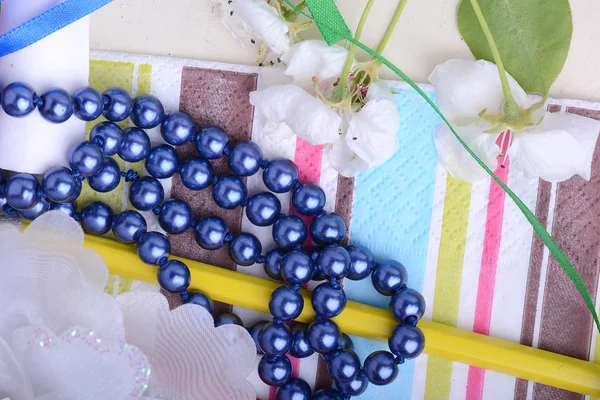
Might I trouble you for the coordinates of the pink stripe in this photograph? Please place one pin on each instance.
(489, 263)
(308, 159)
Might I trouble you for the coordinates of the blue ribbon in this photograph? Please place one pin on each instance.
(47, 23)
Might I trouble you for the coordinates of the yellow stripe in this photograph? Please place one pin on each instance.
(103, 75)
(448, 279)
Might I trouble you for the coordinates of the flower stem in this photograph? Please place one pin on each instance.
(391, 26)
(511, 110)
(352, 52)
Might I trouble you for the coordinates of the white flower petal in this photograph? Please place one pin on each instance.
(251, 21)
(265, 21)
(560, 147)
(344, 160)
(465, 88)
(306, 116)
(314, 58)
(379, 90)
(184, 343)
(457, 161)
(372, 132)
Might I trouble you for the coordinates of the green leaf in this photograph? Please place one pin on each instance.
(533, 37)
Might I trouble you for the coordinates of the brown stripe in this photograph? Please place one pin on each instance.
(533, 280)
(566, 325)
(344, 200)
(534, 275)
(213, 97)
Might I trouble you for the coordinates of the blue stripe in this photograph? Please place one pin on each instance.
(392, 216)
(47, 23)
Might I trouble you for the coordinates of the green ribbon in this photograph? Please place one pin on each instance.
(333, 28)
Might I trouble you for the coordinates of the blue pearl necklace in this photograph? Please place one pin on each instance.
(330, 262)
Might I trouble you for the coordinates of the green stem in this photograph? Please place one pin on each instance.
(291, 15)
(391, 26)
(511, 110)
(352, 52)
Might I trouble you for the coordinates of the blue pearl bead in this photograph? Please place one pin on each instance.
(297, 267)
(162, 162)
(388, 277)
(118, 104)
(273, 263)
(381, 368)
(87, 104)
(86, 158)
(244, 249)
(343, 365)
(111, 136)
(289, 231)
(96, 218)
(263, 208)
(407, 341)
(146, 193)
(38, 209)
(407, 303)
(361, 262)
(245, 159)
(136, 145)
(228, 319)
(275, 339)
(201, 299)
(323, 336)
(274, 370)
(328, 394)
(173, 276)
(67, 208)
(355, 387)
(152, 247)
(196, 174)
(211, 142)
(60, 186)
(327, 229)
(18, 99)
(300, 347)
(210, 233)
(345, 342)
(177, 129)
(294, 389)
(22, 191)
(229, 192)
(327, 301)
(57, 106)
(175, 216)
(286, 303)
(129, 226)
(254, 334)
(308, 199)
(147, 112)
(280, 175)
(333, 261)
(108, 178)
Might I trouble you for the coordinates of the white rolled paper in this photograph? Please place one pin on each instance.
(61, 60)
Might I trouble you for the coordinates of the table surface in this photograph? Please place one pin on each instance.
(426, 36)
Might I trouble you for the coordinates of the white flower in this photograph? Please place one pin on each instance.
(358, 132)
(557, 148)
(255, 22)
(62, 337)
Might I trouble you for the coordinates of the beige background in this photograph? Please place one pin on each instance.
(426, 36)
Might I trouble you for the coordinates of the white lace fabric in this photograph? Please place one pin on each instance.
(62, 337)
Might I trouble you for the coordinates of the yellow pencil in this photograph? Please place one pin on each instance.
(373, 323)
